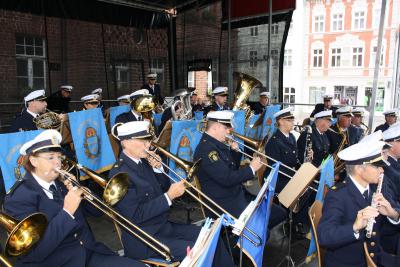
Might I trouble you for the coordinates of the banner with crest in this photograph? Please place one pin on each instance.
(186, 135)
(10, 159)
(91, 142)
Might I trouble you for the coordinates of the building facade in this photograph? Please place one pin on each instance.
(341, 44)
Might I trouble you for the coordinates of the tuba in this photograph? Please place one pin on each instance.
(184, 103)
(48, 120)
(22, 235)
(245, 85)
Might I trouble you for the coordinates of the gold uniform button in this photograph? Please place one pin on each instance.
(80, 242)
(373, 233)
(371, 255)
(372, 244)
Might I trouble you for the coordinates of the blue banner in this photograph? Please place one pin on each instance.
(185, 137)
(207, 256)
(269, 123)
(250, 131)
(259, 220)
(198, 115)
(157, 119)
(91, 142)
(326, 178)
(115, 111)
(10, 159)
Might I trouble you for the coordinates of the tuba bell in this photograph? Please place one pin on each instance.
(245, 85)
(22, 235)
(145, 105)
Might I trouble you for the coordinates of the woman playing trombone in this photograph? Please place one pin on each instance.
(68, 240)
(149, 198)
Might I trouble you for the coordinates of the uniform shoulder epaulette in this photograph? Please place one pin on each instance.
(15, 186)
(339, 186)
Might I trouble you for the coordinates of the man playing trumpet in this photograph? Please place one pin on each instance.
(150, 196)
(68, 240)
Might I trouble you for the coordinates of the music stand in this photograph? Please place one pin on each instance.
(289, 198)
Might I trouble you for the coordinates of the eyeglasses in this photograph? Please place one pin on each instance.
(52, 158)
(93, 103)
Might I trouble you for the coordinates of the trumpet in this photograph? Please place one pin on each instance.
(256, 243)
(22, 235)
(105, 207)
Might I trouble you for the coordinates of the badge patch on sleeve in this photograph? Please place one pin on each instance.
(213, 156)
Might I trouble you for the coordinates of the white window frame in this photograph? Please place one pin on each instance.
(122, 67)
(30, 58)
(319, 23)
(254, 31)
(275, 28)
(373, 55)
(337, 55)
(357, 56)
(319, 92)
(337, 21)
(320, 58)
(191, 80)
(253, 58)
(291, 92)
(157, 66)
(357, 19)
(288, 59)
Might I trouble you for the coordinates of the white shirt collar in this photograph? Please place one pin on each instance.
(135, 160)
(32, 113)
(318, 131)
(135, 114)
(45, 185)
(287, 135)
(359, 186)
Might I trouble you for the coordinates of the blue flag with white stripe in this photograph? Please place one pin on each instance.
(91, 141)
(10, 159)
(326, 178)
(259, 220)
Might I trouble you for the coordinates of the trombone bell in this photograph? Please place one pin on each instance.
(22, 234)
(116, 188)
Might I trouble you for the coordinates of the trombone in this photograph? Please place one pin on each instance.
(22, 235)
(191, 171)
(256, 144)
(114, 190)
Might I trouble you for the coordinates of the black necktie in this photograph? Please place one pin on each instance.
(56, 194)
(366, 195)
(140, 118)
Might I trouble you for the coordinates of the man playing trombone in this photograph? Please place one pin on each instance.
(150, 196)
(68, 240)
(219, 174)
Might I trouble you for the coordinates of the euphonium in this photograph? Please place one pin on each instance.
(48, 120)
(339, 164)
(183, 103)
(22, 235)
